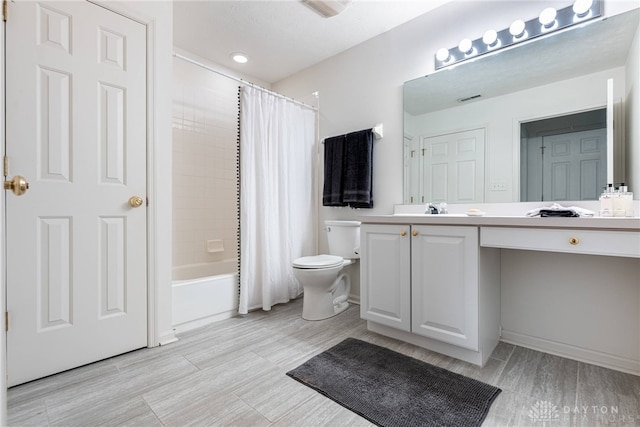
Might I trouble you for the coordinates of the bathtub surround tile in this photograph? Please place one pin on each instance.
(233, 373)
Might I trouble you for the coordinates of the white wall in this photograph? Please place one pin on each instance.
(363, 86)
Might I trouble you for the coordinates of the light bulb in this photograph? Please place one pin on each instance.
(442, 54)
(517, 28)
(490, 38)
(465, 46)
(548, 17)
(582, 7)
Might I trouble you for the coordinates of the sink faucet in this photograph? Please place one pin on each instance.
(436, 208)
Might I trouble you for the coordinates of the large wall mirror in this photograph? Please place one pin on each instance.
(470, 130)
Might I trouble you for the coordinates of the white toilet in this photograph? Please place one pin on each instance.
(320, 276)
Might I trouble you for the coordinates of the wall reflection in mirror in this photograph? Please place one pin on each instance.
(470, 130)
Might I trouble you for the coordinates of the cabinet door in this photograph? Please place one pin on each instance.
(445, 284)
(385, 263)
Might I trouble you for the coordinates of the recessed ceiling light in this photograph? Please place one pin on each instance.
(240, 58)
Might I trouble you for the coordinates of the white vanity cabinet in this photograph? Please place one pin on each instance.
(385, 274)
(457, 284)
(444, 284)
(433, 286)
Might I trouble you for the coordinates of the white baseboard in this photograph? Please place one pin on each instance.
(580, 354)
(167, 337)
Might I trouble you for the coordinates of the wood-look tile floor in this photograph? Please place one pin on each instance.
(232, 373)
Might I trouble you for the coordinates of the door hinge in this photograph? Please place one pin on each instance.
(6, 321)
(5, 7)
(5, 166)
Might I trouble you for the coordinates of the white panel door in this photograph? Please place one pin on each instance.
(76, 130)
(444, 284)
(385, 264)
(454, 167)
(574, 165)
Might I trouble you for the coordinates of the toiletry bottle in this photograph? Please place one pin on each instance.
(618, 201)
(626, 200)
(606, 201)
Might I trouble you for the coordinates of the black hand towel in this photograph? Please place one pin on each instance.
(566, 213)
(358, 172)
(334, 164)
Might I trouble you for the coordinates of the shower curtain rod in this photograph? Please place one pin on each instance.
(244, 82)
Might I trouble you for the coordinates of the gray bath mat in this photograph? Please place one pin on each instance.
(391, 389)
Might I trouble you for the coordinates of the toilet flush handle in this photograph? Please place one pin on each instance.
(356, 250)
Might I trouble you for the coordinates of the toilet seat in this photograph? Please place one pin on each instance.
(318, 261)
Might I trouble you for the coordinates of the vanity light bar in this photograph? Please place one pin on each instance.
(548, 22)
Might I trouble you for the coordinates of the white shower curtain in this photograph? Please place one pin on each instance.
(277, 198)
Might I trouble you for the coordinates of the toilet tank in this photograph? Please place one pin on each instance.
(344, 238)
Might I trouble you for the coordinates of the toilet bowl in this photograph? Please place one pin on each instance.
(326, 287)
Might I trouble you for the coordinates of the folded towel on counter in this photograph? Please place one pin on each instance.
(332, 193)
(348, 170)
(556, 210)
(566, 213)
(358, 174)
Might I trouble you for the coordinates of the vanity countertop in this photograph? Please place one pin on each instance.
(599, 223)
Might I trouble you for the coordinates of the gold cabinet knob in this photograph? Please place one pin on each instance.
(18, 185)
(414, 233)
(403, 233)
(574, 240)
(135, 201)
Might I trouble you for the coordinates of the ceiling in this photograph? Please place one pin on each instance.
(282, 37)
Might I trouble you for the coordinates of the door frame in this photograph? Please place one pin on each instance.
(152, 171)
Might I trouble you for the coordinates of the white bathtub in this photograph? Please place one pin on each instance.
(204, 293)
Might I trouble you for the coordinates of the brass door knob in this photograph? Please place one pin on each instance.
(403, 233)
(414, 233)
(135, 201)
(18, 185)
(574, 241)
